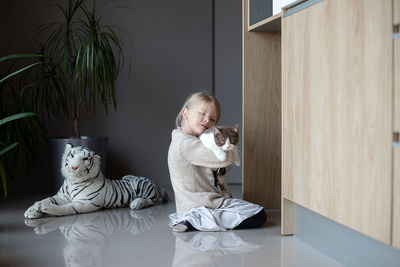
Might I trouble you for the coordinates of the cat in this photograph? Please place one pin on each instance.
(220, 139)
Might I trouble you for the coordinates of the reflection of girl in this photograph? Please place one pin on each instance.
(199, 205)
(209, 248)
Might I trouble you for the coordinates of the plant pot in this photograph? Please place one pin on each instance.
(56, 147)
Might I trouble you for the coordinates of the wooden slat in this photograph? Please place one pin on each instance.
(396, 85)
(337, 114)
(396, 129)
(271, 24)
(287, 217)
(396, 198)
(396, 12)
(261, 116)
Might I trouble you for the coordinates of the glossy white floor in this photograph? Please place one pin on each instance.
(122, 237)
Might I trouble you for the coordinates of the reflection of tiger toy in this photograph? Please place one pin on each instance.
(88, 235)
(85, 189)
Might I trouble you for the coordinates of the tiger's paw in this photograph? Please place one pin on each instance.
(33, 213)
(43, 206)
(136, 204)
(140, 203)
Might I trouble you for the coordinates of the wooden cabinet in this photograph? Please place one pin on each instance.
(332, 121)
(261, 116)
(337, 114)
(396, 125)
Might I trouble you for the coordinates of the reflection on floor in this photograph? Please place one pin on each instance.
(123, 237)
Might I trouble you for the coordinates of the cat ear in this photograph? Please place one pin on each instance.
(216, 131)
(97, 156)
(236, 128)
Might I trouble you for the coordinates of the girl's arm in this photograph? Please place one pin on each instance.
(193, 150)
(224, 186)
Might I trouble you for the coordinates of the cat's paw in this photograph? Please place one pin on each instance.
(33, 213)
(221, 156)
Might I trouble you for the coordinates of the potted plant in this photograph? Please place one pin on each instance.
(16, 127)
(82, 58)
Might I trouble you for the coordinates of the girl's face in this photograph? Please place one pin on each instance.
(199, 118)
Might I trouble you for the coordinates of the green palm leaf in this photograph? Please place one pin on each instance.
(5, 150)
(16, 117)
(18, 71)
(14, 56)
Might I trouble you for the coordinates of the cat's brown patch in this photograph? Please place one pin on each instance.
(221, 133)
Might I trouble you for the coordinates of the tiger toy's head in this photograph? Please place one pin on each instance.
(79, 163)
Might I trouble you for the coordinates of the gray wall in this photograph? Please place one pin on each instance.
(228, 67)
(171, 58)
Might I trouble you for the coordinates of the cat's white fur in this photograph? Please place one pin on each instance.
(207, 139)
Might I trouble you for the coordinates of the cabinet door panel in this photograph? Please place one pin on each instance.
(336, 112)
(396, 85)
(396, 150)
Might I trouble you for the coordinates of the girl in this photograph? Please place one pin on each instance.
(199, 205)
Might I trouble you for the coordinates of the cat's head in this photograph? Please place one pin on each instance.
(79, 163)
(226, 138)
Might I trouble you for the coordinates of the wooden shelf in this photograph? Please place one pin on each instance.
(271, 24)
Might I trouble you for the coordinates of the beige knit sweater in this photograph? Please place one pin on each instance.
(190, 164)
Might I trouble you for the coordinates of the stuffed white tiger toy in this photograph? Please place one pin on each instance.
(85, 189)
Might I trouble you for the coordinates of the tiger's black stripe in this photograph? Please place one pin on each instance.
(97, 191)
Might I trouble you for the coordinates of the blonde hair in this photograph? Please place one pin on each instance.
(194, 100)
